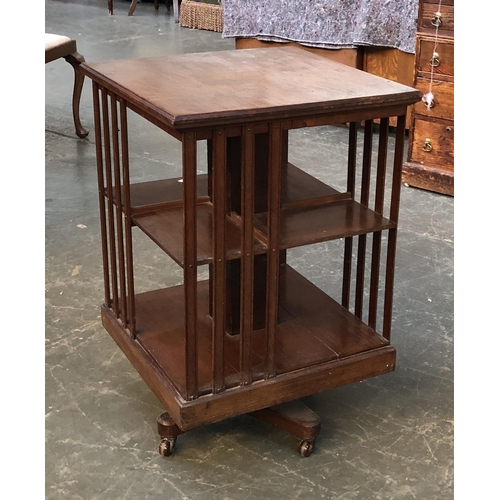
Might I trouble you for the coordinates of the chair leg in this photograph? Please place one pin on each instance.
(176, 10)
(132, 7)
(110, 7)
(75, 59)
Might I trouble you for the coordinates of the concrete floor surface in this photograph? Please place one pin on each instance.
(387, 438)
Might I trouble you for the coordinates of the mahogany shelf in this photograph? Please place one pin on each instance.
(314, 224)
(163, 194)
(313, 329)
(165, 227)
(312, 212)
(298, 187)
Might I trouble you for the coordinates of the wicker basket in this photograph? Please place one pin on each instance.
(200, 15)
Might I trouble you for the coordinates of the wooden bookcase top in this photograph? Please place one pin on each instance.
(238, 86)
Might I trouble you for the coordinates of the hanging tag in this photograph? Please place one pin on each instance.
(428, 99)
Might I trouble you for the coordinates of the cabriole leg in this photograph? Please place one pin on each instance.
(75, 59)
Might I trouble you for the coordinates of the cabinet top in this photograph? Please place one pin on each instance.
(239, 86)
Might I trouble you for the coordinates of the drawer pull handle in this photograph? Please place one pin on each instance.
(435, 62)
(437, 20)
(427, 146)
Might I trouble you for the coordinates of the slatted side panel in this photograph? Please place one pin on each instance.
(366, 261)
(379, 208)
(375, 184)
(364, 200)
(110, 121)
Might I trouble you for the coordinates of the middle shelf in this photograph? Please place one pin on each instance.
(311, 212)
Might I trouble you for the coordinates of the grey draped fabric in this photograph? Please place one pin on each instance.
(325, 23)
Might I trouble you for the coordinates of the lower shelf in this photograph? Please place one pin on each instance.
(316, 338)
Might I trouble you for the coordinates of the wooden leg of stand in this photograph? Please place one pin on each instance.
(168, 431)
(297, 419)
(132, 7)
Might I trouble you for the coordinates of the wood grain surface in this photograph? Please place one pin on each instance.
(205, 89)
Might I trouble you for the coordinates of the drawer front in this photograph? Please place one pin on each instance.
(430, 17)
(442, 59)
(443, 99)
(432, 143)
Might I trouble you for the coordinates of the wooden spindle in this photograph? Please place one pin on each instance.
(379, 208)
(117, 193)
(189, 156)
(101, 192)
(247, 254)
(210, 161)
(128, 219)
(109, 193)
(273, 251)
(351, 188)
(394, 215)
(219, 257)
(364, 199)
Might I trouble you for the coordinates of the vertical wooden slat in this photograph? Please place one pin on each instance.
(219, 253)
(128, 219)
(247, 254)
(360, 276)
(210, 159)
(233, 205)
(101, 192)
(273, 254)
(351, 188)
(118, 209)
(367, 162)
(379, 208)
(190, 268)
(109, 193)
(284, 173)
(394, 215)
(381, 165)
(364, 199)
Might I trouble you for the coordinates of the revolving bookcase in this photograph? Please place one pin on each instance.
(256, 336)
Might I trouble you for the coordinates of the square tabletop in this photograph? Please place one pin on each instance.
(239, 86)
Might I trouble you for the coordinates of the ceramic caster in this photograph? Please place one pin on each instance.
(306, 448)
(166, 447)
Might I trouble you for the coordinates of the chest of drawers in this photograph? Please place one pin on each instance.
(430, 163)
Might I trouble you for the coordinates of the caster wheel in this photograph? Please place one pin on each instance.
(306, 448)
(166, 447)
